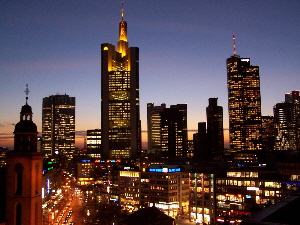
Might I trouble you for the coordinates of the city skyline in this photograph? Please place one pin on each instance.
(55, 48)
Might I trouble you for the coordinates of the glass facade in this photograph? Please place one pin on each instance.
(202, 200)
(120, 117)
(58, 125)
(243, 191)
(154, 129)
(287, 123)
(244, 104)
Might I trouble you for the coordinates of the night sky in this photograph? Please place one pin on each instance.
(54, 47)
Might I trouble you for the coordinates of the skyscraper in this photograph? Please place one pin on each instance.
(268, 134)
(93, 143)
(58, 125)
(167, 130)
(120, 110)
(201, 143)
(244, 104)
(215, 134)
(287, 122)
(154, 127)
(174, 131)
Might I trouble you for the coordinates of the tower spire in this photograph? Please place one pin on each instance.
(122, 44)
(26, 92)
(234, 45)
(122, 10)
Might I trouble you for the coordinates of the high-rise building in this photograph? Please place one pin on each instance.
(24, 166)
(215, 134)
(244, 104)
(201, 143)
(93, 143)
(287, 122)
(58, 125)
(174, 131)
(154, 127)
(120, 110)
(167, 130)
(268, 135)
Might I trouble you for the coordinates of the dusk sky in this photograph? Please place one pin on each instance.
(54, 47)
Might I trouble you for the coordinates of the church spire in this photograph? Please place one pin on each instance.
(26, 92)
(26, 130)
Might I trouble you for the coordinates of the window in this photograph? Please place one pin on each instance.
(19, 177)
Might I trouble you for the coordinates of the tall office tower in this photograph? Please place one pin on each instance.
(215, 134)
(287, 123)
(174, 131)
(58, 125)
(120, 110)
(93, 143)
(268, 135)
(244, 104)
(153, 125)
(201, 143)
(24, 166)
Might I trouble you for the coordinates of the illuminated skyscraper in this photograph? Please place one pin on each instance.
(154, 129)
(58, 128)
(268, 134)
(167, 130)
(244, 104)
(120, 110)
(93, 143)
(174, 131)
(287, 122)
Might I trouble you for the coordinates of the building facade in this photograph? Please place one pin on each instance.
(268, 132)
(287, 123)
(202, 207)
(93, 143)
(244, 104)
(174, 131)
(200, 140)
(154, 127)
(24, 167)
(120, 110)
(58, 125)
(245, 191)
(215, 134)
(167, 130)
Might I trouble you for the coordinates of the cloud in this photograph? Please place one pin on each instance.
(80, 133)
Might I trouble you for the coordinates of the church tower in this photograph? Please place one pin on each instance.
(24, 174)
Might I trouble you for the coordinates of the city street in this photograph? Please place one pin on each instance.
(184, 222)
(77, 217)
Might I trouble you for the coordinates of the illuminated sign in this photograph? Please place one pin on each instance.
(164, 170)
(85, 160)
(48, 186)
(245, 60)
(129, 174)
(252, 188)
(292, 183)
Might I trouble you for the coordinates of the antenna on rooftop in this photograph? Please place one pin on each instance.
(122, 11)
(234, 45)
